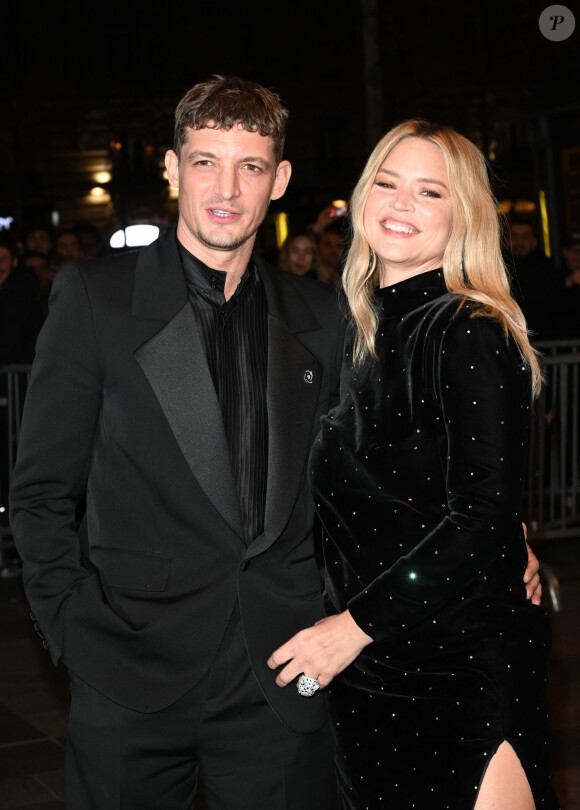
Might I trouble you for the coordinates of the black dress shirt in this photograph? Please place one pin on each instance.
(235, 336)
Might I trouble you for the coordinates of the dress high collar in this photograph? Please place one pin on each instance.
(406, 295)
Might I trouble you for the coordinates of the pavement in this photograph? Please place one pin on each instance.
(34, 695)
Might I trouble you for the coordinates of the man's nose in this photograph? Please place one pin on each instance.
(227, 182)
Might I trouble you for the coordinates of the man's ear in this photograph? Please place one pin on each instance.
(283, 172)
(172, 166)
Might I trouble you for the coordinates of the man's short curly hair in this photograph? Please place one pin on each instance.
(224, 101)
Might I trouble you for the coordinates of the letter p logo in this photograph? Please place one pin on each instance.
(557, 23)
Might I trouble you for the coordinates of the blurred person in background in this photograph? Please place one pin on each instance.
(298, 254)
(331, 230)
(90, 239)
(67, 247)
(39, 264)
(331, 246)
(39, 238)
(8, 258)
(570, 327)
(18, 311)
(534, 280)
(571, 253)
(19, 324)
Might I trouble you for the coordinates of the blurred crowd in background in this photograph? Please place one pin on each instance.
(548, 292)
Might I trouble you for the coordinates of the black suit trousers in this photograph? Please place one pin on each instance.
(223, 731)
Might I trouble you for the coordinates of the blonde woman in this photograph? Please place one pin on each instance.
(434, 659)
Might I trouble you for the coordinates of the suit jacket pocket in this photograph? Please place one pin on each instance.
(306, 577)
(132, 570)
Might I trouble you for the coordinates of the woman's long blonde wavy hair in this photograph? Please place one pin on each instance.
(473, 266)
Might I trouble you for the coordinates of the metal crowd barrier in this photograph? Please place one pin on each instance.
(552, 496)
(13, 385)
(550, 348)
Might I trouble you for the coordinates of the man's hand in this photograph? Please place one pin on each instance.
(320, 651)
(325, 217)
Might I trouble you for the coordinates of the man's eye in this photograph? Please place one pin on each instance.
(252, 168)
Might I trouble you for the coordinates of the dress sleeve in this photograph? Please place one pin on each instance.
(483, 390)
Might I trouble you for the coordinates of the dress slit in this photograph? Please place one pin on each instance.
(488, 763)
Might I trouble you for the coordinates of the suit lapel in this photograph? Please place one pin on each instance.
(174, 363)
(294, 380)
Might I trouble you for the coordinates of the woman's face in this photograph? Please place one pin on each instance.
(408, 215)
(301, 253)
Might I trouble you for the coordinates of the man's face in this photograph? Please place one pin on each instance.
(7, 262)
(69, 247)
(39, 240)
(572, 257)
(330, 249)
(41, 268)
(522, 240)
(226, 179)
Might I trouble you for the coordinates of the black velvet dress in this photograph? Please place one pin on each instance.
(418, 478)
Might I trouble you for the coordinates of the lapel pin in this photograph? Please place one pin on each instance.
(308, 376)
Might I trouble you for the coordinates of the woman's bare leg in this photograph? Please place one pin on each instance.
(505, 785)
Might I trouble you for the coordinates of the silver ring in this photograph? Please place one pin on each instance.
(307, 686)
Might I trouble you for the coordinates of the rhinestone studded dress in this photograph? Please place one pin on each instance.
(418, 477)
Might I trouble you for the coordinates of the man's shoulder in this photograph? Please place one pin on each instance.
(103, 281)
(110, 265)
(106, 272)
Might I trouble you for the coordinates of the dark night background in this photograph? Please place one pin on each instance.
(78, 79)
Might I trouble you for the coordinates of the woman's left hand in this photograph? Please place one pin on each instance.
(532, 573)
(532, 578)
(320, 651)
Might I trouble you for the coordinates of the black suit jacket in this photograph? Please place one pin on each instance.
(121, 407)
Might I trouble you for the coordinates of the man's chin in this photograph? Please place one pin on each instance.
(225, 242)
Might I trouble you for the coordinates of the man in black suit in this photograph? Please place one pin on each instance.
(179, 390)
